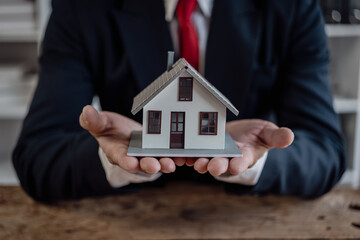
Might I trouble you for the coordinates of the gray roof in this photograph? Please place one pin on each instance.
(167, 77)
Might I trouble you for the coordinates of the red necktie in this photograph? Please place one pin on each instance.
(189, 45)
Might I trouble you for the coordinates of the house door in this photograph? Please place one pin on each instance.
(177, 127)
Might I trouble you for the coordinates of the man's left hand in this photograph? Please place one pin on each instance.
(254, 137)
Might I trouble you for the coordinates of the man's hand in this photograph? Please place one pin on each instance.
(254, 138)
(113, 132)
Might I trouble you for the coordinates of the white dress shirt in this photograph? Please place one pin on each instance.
(116, 176)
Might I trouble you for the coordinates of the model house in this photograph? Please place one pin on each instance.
(181, 109)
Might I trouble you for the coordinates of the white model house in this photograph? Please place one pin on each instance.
(181, 109)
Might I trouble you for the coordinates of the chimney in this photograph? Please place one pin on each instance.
(170, 60)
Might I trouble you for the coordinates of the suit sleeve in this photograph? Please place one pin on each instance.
(315, 161)
(55, 158)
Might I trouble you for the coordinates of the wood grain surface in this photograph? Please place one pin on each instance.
(182, 211)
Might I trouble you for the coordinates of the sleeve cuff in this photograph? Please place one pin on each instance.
(118, 177)
(250, 177)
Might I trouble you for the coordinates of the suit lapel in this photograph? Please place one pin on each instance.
(145, 36)
(231, 48)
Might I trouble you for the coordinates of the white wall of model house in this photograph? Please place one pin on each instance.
(167, 101)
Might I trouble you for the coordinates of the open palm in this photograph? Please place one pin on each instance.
(254, 137)
(113, 132)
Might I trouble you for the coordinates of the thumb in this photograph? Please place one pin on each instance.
(92, 120)
(275, 137)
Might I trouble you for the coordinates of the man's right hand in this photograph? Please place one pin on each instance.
(113, 132)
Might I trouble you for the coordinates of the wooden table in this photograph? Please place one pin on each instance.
(181, 211)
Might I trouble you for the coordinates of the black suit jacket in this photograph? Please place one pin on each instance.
(270, 58)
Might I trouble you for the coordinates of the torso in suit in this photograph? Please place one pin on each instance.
(269, 58)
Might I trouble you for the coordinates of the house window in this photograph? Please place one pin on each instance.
(154, 122)
(208, 123)
(185, 88)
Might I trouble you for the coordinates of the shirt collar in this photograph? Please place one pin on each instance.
(170, 7)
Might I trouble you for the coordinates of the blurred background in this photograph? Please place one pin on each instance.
(22, 24)
(21, 27)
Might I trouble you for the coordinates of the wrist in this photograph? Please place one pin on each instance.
(118, 177)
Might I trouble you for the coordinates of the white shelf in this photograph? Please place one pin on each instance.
(342, 30)
(15, 93)
(346, 105)
(28, 35)
(13, 111)
(18, 21)
(347, 178)
(21, 7)
(7, 173)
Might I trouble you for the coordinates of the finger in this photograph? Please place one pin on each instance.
(92, 121)
(179, 161)
(118, 156)
(150, 165)
(201, 165)
(130, 164)
(190, 161)
(218, 166)
(275, 137)
(240, 165)
(167, 165)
